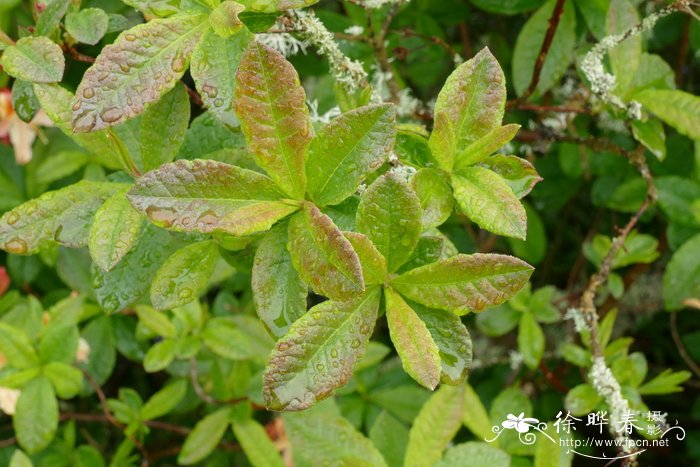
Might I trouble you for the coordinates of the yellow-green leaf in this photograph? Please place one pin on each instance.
(35, 59)
(390, 215)
(114, 232)
(319, 352)
(323, 257)
(144, 63)
(486, 198)
(278, 292)
(348, 149)
(465, 283)
(63, 216)
(435, 426)
(207, 196)
(271, 105)
(420, 355)
(184, 276)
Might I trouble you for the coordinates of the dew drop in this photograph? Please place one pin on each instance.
(16, 246)
(12, 218)
(130, 37)
(334, 353)
(111, 114)
(178, 64)
(162, 217)
(88, 93)
(185, 294)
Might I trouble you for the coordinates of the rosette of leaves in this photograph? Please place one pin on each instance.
(458, 160)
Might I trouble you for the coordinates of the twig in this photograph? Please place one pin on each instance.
(8, 442)
(681, 348)
(75, 55)
(544, 50)
(196, 98)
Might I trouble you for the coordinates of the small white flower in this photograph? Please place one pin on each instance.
(521, 423)
(355, 30)
(83, 353)
(8, 400)
(284, 43)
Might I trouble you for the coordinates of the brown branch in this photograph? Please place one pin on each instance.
(8, 442)
(516, 104)
(196, 98)
(679, 345)
(588, 307)
(544, 50)
(75, 55)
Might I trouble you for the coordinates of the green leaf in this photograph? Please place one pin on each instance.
(160, 356)
(224, 19)
(35, 59)
(56, 102)
(204, 437)
(529, 43)
(66, 379)
(556, 453)
(530, 340)
(271, 6)
(443, 141)
(452, 339)
(184, 276)
(511, 401)
(271, 104)
(498, 321)
(60, 165)
(225, 337)
(170, 116)
(465, 283)
(20, 459)
(99, 334)
(390, 436)
(157, 8)
(16, 347)
(114, 231)
(679, 109)
(473, 101)
(278, 292)
(24, 100)
(677, 198)
(475, 417)
(582, 399)
(665, 383)
(347, 150)
(436, 425)
(323, 257)
(62, 216)
(507, 7)
(477, 453)
(435, 194)
(485, 146)
(517, 172)
(164, 401)
(156, 321)
(412, 148)
(311, 431)
(36, 415)
(624, 57)
(214, 62)
(420, 355)
(682, 276)
(145, 62)
(487, 199)
(390, 215)
(207, 196)
(256, 444)
(319, 352)
(131, 278)
(652, 135)
(374, 269)
(87, 26)
(50, 18)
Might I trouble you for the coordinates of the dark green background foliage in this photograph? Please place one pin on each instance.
(302, 232)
